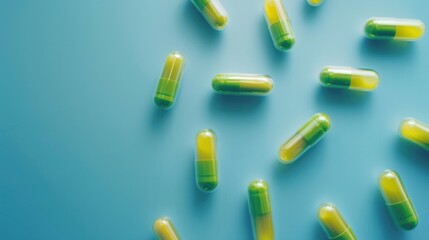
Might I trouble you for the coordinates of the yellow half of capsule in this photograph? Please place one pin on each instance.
(164, 230)
(334, 224)
(397, 200)
(415, 132)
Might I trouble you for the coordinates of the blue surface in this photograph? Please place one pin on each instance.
(84, 154)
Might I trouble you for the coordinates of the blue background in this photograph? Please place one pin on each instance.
(84, 154)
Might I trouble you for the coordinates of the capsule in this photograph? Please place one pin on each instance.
(164, 230)
(397, 200)
(349, 78)
(242, 84)
(169, 81)
(415, 132)
(305, 138)
(315, 3)
(394, 29)
(260, 210)
(213, 12)
(334, 224)
(279, 25)
(206, 161)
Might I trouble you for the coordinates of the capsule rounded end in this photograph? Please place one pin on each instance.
(325, 76)
(323, 120)
(370, 28)
(406, 124)
(285, 157)
(285, 43)
(177, 55)
(258, 186)
(161, 223)
(163, 102)
(410, 225)
(315, 3)
(326, 210)
(207, 186)
(220, 22)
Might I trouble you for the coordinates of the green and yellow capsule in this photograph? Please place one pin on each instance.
(415, 131)
(260, 210)
(315, 3)
(397, 200)
(279, 25)
(394, 29)
(334, 224)
(349, 78)
(242, 84)
(169, 81)
(306, 137)
(206, 168)
(164, 230)
(213, 12)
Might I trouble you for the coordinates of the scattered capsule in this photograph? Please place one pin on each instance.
(315, 3)
(394, 29)
(334, 224)
(397, 200)
(213, 12)
(206, 162)
(242, 84)
(169, 81)
(415, 132)
(349, 78)
(164, 230)
(279, 25)
(306, 137)
(260, 210)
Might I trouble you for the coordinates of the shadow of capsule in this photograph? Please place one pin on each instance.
(412, 151)
(318, 232)
(342, 97)
(247, 221)
(237, 105)
(386, 48)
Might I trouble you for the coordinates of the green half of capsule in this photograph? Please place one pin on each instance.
(279, 25)
(334, 224)
(260, 210)
(164, 229)
(397, 200)
(169, 81)
(206, 169)
(242, 84)
(394, 29)
(415, 132)
(213, 12)
(349, 78)
(305, 138)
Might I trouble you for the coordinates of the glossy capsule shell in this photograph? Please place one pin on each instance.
(394, 29)
(164, 229)
(306, 137)
(206, 168)
(279, 25)
(242, 84)
(349, 78)
(315, 3)
(169, 81)
(260, 210)
(415, 131)
(397, 201)
(334, 224)
(213, 12)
